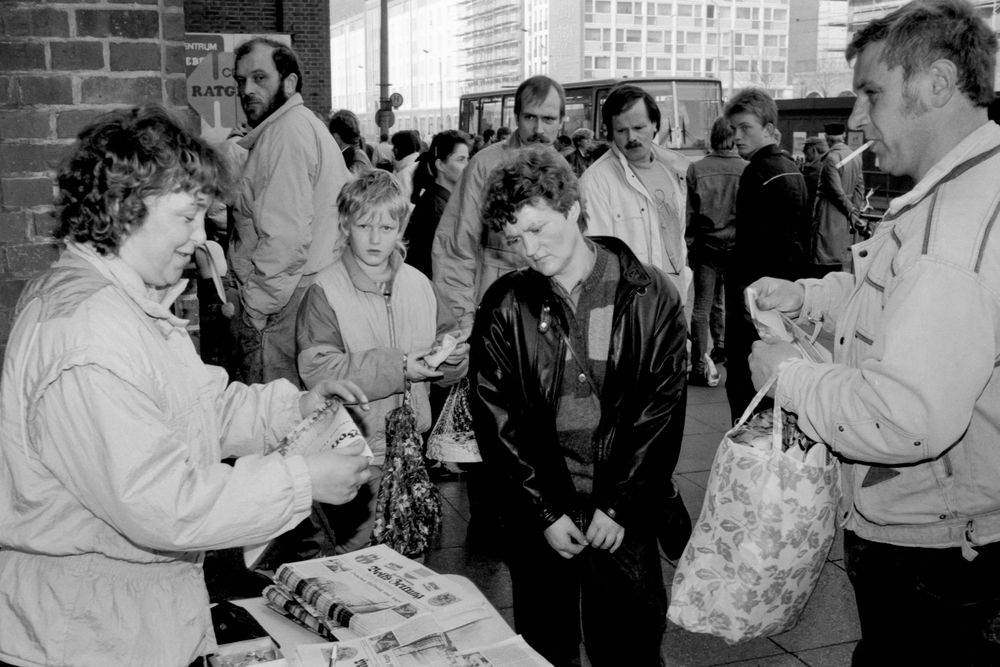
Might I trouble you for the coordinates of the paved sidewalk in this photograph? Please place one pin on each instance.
(824, 637)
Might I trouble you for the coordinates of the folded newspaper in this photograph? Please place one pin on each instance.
(328, 426)
(419, 642)
(374, 589)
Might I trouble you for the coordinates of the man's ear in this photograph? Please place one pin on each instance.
(289, 83)
(942, 77)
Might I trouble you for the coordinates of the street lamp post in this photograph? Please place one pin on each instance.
(440, 88)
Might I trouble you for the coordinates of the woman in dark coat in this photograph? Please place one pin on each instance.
(438, 171)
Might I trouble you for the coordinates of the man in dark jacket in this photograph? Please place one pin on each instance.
(772, 228)
(712, 184)
(840, 195)
(577, 396)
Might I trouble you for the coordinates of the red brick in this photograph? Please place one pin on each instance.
(14, 226)
(22, 56)
(18, 22)
(24, 124)
(173, 26)
(28, 260)
(176, 91)
(25, 192)
(44, 225)
(130, 24)
(133, 56)
(45, 89)
(105, 90)
(175, 60)
(30, 158)
(77, 55)
(69, 123)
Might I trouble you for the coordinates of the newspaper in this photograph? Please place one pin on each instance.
(328, 426)
(419, 642)
(302, 613)
(374, 589)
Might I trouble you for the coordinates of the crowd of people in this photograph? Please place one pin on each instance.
(562, 266)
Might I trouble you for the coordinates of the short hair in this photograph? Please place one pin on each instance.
(285, 59)
(722, 136)
(920, 32)
(537, 89)
(580, 135)
(371, 189)
(121, 159)
(406, 142)
(818, 143)
(621, 98)
(345, 124)
(442, 146)
(530, 176)
(488, 134)
(755, 101)
(502, 132)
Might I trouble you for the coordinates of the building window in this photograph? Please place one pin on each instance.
(623, 63)
(663, 9)
(654, 37)
(709, 65)
(778, 66)
(742, 65)
(633, 35)
(780, 14)
(692, 38)
(602, 62)
(663, 63)
(770, 40)
(750, 39)
(685, 10)
(743, 12)
(602, 6)
(624, 7)
(683, 64)
(592, 34)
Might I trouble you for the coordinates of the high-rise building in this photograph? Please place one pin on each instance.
(741, 42)
(492, 34)
(817, 38)
(424, 64)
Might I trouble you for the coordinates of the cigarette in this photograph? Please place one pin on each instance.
(856, 152)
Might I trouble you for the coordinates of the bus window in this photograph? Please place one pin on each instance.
(508, 112)
(490, 118)
(698, 105)
(468, 114)
(578, 112)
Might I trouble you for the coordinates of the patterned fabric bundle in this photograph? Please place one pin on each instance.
(408, 508)
(452, 438)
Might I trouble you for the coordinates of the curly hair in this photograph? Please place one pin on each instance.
(530, 176)
(120, 160)
(372, 188)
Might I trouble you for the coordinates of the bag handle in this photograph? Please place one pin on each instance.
(776, 425)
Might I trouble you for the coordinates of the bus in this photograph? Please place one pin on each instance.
(688, 106)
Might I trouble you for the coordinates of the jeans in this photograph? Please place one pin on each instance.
(263, 355)
(708, 314)
(619, 597)
(922, 606)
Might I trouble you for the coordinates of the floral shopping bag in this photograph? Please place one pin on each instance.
(764, 533)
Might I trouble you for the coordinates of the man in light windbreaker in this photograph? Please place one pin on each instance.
(912, 400)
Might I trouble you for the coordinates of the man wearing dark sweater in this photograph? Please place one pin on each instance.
(772, 228)
(577, 398)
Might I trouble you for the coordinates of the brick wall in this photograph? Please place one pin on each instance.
(60, 67)
(307, 21)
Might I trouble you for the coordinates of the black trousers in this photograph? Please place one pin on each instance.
(616, 599)
(922, 606)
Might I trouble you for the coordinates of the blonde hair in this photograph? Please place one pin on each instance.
(372, 188)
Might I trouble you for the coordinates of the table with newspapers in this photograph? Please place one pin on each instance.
(375, 607)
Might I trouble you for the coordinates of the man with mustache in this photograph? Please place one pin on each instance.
(284, 213)
(637, 190)
(467, 256)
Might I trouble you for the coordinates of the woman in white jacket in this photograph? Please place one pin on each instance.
(112, 430)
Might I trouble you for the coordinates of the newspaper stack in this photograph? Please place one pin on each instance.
(419, 642)
(368, 591)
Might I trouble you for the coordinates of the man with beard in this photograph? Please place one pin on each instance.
(285, 213)
(637, 190)
(467, 256)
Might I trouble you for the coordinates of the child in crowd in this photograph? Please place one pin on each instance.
(372, 318)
